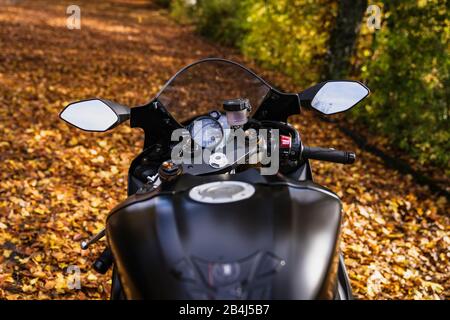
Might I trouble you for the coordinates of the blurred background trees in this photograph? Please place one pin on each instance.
(342, 39)
(405, 62)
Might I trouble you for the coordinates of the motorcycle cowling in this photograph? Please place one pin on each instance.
(279, 241)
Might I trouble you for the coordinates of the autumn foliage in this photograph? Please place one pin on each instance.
(401, 53)
(58, 183)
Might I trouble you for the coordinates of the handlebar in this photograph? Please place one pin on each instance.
(328, 154)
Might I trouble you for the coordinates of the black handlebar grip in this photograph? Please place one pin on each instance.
(327, 154)
(104, 262)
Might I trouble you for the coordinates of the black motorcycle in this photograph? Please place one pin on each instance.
(222, 202)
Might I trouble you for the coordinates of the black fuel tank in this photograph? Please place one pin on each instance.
(281, 243)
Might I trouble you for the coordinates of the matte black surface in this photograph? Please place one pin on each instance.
(278, 244)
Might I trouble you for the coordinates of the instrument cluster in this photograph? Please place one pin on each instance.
(208, 131)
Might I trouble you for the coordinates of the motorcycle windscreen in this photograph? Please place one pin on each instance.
(204, 85)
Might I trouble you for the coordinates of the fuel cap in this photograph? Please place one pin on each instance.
(222, 192)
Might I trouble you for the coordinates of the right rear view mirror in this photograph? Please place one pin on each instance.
(333, 97)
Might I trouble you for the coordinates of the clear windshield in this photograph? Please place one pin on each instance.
(205, 85)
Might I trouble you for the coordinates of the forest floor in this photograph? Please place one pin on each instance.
(58, 183)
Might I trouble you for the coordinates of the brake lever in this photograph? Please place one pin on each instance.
(86, 244)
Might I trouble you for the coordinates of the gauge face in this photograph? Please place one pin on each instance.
(206, 132)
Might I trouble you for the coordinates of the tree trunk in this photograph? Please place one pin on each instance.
(343, 38)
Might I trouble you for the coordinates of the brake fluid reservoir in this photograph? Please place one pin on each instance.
(237, 111)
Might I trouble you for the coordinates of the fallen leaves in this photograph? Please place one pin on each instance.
(57, 183)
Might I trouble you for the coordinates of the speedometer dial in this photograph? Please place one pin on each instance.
(206, 132)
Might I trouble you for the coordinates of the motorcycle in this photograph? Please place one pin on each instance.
(221, 201)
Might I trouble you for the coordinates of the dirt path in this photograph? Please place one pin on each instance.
(57, 184)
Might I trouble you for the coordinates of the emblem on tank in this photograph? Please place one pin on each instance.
(222, 192)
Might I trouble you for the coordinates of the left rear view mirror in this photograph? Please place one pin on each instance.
(95, 114)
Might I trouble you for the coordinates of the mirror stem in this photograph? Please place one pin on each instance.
(86, 244)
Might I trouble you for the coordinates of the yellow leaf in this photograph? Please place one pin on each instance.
(7, 253)
(92, 277)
